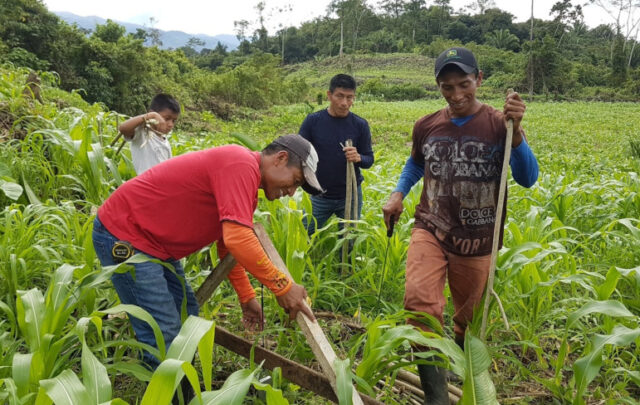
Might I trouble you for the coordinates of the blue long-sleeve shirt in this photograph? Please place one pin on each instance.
(326, 133)
(524, 169)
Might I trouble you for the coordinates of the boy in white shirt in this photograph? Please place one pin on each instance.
(148, 132)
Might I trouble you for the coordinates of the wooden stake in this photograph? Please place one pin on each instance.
(209, 285)
(315, 337)
(496, 227)
(350, 207)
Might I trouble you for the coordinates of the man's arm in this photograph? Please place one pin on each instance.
(364, 148)
(305, 128)
(412, 172)
(243, 244)
(524, 166)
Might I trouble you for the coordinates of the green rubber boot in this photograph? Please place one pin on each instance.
(434, 384)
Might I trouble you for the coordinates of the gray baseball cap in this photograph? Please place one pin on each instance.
(307, 153)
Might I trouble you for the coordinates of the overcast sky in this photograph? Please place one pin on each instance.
(216, 17)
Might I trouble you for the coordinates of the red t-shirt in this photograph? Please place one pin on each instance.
(176, 207)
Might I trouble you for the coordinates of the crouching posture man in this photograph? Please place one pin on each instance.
(185, 203)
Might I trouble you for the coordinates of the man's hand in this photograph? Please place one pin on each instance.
(252, 318)
(393, 207)
(514, 109)
(295, 300)
(351, 153)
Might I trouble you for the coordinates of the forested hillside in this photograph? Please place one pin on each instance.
(559, 58)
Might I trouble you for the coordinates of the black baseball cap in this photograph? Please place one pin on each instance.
(461, 57)
(307, 153)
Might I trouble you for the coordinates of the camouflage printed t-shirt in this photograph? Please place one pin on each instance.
(462, 167)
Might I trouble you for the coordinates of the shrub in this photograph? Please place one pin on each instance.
(392, 92)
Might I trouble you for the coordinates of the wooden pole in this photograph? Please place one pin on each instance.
(315, 337)
(296, 373)
(350, 207)
(497, 225)
(209, 285)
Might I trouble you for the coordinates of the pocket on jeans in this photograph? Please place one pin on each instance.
(103, 252)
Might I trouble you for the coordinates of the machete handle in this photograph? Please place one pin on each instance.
(392, 222)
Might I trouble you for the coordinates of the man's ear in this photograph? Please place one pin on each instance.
(329, 94)
(479, 78)
(282, 158)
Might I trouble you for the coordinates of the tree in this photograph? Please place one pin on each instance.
(351, 14)
(393, 7)
(480, 6)
(195, 41)
(241, 27)
(503, 39)
(626, 19)
(109, 32)
(566, 15)
(154, 33)
(618, 62)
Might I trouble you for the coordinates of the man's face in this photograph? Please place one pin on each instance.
(340, 100)
(279, 179)
(170, 119)
(459, 89)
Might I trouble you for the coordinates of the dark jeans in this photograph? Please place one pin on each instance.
(323, 208)
(155, 289)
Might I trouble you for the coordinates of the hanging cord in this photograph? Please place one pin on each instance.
(262, 321)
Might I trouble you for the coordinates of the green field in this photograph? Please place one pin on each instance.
(568, 276)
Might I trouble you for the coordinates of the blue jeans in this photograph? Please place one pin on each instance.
(323, 208)
(155, 289)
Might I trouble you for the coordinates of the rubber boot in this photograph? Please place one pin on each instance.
(434, 384)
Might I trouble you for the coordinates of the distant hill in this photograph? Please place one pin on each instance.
(170, 39)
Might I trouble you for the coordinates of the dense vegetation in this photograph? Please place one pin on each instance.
(568, 276)
(560, 58)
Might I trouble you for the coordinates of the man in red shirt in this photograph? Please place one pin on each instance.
(187, 202)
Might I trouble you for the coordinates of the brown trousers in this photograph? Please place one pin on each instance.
(428, 264)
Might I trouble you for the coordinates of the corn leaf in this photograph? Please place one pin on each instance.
(95, 377)
(478, 389)
(66, 389)
(344, 380)
(143, 315)
(274, 395)
(166, 379)
(184, 345)
(233, 391)
(587, 368)
(611, 308)
(30, 308)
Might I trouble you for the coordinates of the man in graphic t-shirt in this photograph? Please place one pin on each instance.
(459, 151)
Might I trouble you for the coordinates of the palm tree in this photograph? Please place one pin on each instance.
(503, 39)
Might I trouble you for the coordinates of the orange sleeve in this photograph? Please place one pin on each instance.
(237, 277)
(244, 245)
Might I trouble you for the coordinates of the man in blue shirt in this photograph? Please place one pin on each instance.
(328, 130)
(459, 151)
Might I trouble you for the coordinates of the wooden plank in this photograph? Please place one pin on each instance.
(296, 373)
(315, 337)
(209, 285)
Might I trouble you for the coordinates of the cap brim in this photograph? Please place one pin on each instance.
(465, 68)
(311, 185)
